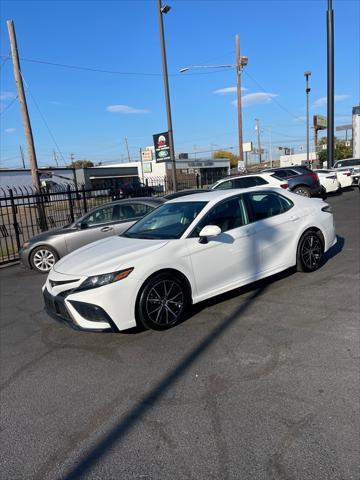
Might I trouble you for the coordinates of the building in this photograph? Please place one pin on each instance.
(20, 178)
(296, 159)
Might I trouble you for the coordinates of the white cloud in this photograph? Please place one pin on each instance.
(125, 109)
(224, 91)
(7, 95)
(256, 98)
(322, 101)
(10, 130)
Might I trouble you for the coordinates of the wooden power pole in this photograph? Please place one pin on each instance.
(23, 107)
(238, 77)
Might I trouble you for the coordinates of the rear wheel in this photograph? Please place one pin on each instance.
(301, 190)
(162, 302)
(43, 258)
(310, 252)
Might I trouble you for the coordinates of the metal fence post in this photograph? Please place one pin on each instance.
(14, 217)
(84, 198)
(71, 208)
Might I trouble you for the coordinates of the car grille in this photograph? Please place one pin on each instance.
(56, 306)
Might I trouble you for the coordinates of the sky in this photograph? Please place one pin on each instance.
(84, 113)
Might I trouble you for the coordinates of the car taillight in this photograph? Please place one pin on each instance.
(312, 175)
(348, 174)
(284, 185)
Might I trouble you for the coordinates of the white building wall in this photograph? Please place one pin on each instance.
(296, 159)
(356, 131)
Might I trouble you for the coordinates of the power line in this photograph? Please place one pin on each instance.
(274, 98)
(8, 105)
(43, 119)
(117, 72)
(5, 59)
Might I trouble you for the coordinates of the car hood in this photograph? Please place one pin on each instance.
(106, 256)
(50, 233)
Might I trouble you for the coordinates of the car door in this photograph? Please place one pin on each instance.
(226, 260)
(274, 222)
(128, 213)
(98, 224)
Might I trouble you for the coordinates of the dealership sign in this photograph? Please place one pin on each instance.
(162, 147)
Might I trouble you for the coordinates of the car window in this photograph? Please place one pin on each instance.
(224, 185)
(127, 211)
(246, 182)
(266, 204)
(226, 215)
(101, 215)
(281, 174)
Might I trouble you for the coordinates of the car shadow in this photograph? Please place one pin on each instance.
(334, 250)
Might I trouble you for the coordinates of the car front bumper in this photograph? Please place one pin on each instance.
(107, 308)
(24, 256)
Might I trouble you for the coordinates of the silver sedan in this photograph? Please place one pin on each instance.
(44, 250)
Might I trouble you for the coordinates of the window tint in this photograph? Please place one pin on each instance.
(265, 205)
(347, 163)
(101, 215)
(246, 182)
(226, 215)
(126, 211)
(283, 174)
(224, 185)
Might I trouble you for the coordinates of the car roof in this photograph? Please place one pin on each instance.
(231, 177)
(216, 195)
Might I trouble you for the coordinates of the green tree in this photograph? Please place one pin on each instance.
(225, 154)
(81, 164)
(340, 151)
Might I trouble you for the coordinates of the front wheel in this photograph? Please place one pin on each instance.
(43, 258)
(303, 191)
(162, 302)
(310, 252)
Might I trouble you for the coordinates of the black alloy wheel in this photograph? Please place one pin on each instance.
(162, 302)
(310, 252)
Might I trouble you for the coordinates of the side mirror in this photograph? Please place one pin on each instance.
(83, 226)
(209, 231)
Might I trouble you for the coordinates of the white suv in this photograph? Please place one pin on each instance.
(351, 165)
(246, 181)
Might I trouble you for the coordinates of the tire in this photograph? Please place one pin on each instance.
(162, 302)
(310, 252)
(303, 191)
(43, 258)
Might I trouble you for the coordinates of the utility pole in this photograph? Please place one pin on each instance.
(163, 9)
(55, 158)
(142, 165)
(258, 136)
(330, 85)
(239, 112)
(307, 90)
(127, 149)
(22, 157)
(23, 107)
(270, 148)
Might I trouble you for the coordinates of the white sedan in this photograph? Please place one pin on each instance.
(328, 180)
(185, 251)
(344, 177)
(252, 180)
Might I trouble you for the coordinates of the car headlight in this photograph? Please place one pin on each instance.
(105, 279)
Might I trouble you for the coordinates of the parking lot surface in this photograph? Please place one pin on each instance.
(261, 383)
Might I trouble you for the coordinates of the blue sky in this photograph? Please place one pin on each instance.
(90, 113)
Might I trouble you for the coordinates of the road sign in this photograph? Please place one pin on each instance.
(162, 147)
(247, 147)
(320, 122)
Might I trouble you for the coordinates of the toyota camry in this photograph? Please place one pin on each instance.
(185, 251)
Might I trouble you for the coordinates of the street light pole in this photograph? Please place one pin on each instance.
(238, 76)
(330, 85)
(258, 137)
(163, 9)
(307, 90)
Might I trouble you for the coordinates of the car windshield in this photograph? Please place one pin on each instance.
(169, 221)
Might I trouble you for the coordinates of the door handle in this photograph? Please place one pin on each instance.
(106, 229)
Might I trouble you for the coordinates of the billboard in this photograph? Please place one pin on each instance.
(162, 147)
(320, 122)
(247, 147)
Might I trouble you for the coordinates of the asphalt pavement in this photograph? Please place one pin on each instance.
(261, 383)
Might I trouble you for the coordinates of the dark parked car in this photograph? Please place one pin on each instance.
(44, 250)
(132, 189)
(301, 180)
